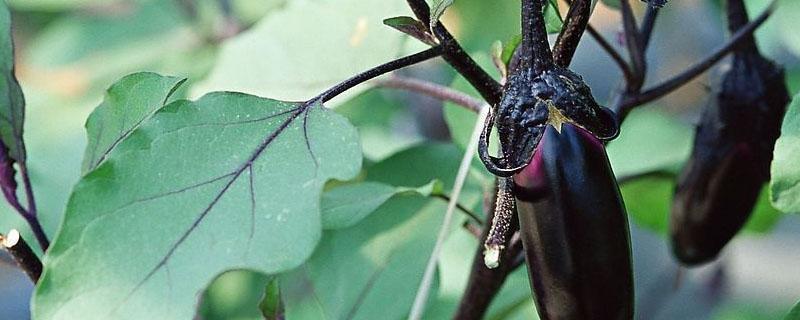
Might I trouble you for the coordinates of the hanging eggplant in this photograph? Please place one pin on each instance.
(732, 152)
(573, 223)
(575, 229)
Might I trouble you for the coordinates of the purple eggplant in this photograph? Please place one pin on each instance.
(732, 152)
(574, 228)
(572, 221)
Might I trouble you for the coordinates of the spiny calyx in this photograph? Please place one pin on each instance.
(530, 102)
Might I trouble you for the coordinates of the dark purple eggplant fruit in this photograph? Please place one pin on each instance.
(574, 229)
(572, 220)
(732, 152)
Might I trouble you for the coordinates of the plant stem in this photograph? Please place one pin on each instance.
(684, 77)
(474, 217)
(737, 19)
(484, 283)
(22, 254)
(433, 90)
(534, 48)
(621, 63)
(574, 25)
(648, 22)
(31, 216)
(454, 54)
(377, 71)
(634, 44)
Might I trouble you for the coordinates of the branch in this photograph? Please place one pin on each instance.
(432, 89)
(737, 19)
(534, 45)
(32, 213)
(576, 22)
(22, 254)
(608, 48)
(484, 283)
(648, 22)
(679, 80)
(474, 217)
(377, 71)
(634, 43)
(454, 54)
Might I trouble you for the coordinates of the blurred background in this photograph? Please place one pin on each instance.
(69, 51)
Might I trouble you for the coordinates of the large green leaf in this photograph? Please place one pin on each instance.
(785, 184)
(231, 177)
(12, 107)
(355, 270)
(126, 104)
(307, 46)
(649, 141)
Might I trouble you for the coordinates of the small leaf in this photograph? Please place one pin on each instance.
(785, 184)
(229, 176)
(437, 10)
(496, 52)
(346, 205)
(12, 107)
(411, 27)
(509, 47)
(552, 17)
(272, 305)
(126, 104)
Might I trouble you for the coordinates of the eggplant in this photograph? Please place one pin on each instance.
(574, 228)
(573, 224)
(732, 151)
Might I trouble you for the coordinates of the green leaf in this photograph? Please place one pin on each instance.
(12, 108)
(437, 10)
(281, 56)
(649, 141)
(411, 27)
(229, 176)
(785, 184)
(794, 314)
(509, 47)
(552, 17)
(126, 104)
(346, 205)
(648, 201)
(354, 271)
(271, 305)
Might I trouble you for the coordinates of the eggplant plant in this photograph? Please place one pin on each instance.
(180, 188)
